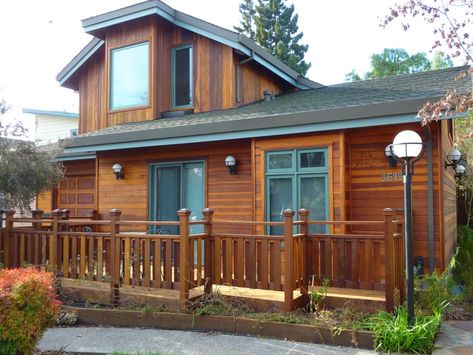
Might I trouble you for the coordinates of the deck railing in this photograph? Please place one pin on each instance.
(137, 253)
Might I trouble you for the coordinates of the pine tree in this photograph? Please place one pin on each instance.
(275, 29)
(247, 22)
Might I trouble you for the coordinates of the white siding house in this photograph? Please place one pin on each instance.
(51, 126)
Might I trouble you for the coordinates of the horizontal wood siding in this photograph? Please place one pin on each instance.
(368, 194)
(214, 72)
(449, 198)
(229, 195)
(307, 141)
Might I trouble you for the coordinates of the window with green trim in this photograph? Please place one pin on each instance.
(297, 179)
(182, 80)
(129, 76)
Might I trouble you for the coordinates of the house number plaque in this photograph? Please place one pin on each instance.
(391, 177)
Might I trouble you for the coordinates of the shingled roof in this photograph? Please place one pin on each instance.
(354, 104)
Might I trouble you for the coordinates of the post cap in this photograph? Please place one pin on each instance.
(288, 212)
(10, 212)
(36, 212)
(184, 212)
(303, 212)
(207, 211)
(388, 211)
(56, 213)
(115, 212)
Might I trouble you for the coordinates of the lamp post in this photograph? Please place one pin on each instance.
(407, 149)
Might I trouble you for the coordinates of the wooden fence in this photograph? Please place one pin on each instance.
(125, 252)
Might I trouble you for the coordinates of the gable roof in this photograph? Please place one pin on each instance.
(382, 101)
(95, 26)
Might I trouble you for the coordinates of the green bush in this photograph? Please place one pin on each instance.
(463, 269)
(434, 291)
(28, 305)
(393, 333)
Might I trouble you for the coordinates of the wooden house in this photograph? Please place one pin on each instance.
(167, 98)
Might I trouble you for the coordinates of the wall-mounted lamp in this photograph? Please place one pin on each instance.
(230, 162)
(460, 168)
(453, 157)
(118, 171)
(389, 155)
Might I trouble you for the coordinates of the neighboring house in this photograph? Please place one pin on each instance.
(169, 97)
(52, 126)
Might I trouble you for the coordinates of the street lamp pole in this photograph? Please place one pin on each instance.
(408, 171)
(407, 149)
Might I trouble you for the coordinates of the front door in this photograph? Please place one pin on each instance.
(175, 186)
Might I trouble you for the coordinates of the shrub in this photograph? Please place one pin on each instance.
(28, 305)
(463, 269)
(393, 333)
(434, 291)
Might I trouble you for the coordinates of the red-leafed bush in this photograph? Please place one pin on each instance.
(28, 305)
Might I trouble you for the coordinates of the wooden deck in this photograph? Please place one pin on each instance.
(260, 300)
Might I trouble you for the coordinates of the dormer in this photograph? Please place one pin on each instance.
(148, 61)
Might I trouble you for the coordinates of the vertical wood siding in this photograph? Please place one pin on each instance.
(449, 198)
(214, 72)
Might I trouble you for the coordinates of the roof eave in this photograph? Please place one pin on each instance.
(96, 24)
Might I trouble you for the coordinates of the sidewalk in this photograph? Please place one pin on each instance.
(106, 340)
(455, 337)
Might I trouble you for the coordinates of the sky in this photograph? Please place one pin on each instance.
(38, 38)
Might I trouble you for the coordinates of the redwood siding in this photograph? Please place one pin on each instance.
(214, 75)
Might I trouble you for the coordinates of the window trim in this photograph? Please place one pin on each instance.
(110, 79)
(191, 76)
(296, 173)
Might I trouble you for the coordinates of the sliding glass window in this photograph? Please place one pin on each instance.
(129, 76)
(182, 80)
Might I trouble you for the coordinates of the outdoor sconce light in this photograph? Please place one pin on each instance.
(460, 169)
(230, 162)
(389, 155)
(118, 171)
(453, 157)
(406, 149)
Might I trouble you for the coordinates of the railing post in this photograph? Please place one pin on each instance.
(184, 269)
(53, 241)
(115, 257)
(388, 214)
(8, 238)
(288, 259)
(208, 267)
(37, 215)
(304, 230)
(65, 216)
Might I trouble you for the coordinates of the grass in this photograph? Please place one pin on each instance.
(393, 333)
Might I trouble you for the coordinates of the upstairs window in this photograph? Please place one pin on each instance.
(129, 76)
(182, 77)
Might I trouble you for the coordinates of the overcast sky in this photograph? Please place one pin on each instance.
(39, 37)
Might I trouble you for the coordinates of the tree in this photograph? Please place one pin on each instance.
(451, 21)
(273, 26)
(463, 129)
(25, 171)
(439, 61)
(247, 22)
(393, 61)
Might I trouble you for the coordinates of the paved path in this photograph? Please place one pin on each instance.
(455, 337)
(105, 340)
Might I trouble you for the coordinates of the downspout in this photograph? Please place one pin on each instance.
(237, 76)
(430, 200)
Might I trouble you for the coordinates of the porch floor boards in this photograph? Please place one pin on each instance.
(261, 300)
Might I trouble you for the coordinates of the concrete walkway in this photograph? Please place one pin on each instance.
(106, 340)
(455, 337)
